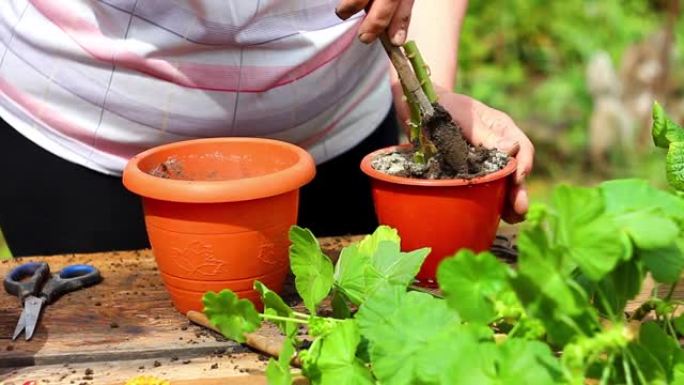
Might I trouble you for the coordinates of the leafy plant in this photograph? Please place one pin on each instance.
(559, 317)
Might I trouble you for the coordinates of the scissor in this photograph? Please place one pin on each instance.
(28, 282)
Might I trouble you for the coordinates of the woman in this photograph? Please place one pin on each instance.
(87, 84)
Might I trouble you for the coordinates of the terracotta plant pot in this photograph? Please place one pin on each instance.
(445, 215)
(218, 212)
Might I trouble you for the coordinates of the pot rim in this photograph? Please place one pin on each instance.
(375, 174)
(190, 191)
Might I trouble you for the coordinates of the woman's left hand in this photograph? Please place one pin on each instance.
(391, 15)
(491, 128)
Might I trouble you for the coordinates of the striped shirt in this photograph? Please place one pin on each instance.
(97, 81)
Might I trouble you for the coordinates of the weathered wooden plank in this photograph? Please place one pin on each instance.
(214, 369)
(127, 316)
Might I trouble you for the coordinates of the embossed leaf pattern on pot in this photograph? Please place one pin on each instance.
(187, 257)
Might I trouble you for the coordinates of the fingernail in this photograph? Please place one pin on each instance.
(399, 37)
(508, 146)
(366, 37)
(344, 15)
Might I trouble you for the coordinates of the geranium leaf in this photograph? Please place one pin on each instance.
(234, 317)
(649, 229)
(391, 266)
(625, 195)
(664, 130)
(666, 264)
(407, 334)
(339, 306)
(527, 362)
(331, 360)
(275, 305)
(591, 239)
(349, 273)
(674, 165)
(369, 245)
(278, 372)
(312, 269)
(471, 283)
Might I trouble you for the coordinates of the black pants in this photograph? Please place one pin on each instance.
(51, 206)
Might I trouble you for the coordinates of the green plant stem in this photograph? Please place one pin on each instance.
(628, 371)
(671, 291)
(271, 317)
(421, 69)
(606, 305)
(671, 329)
(607, 370)
(639, 373)
(407, 76)
(515, 328)
(301, 315)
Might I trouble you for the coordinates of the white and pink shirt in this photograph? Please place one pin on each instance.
(97, 81)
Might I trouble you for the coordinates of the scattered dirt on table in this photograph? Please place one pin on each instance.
(113, 325)
(157, 364)
(9, 348)
(89, 371)
(214, 366)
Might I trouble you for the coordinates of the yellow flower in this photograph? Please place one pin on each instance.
(147, 380)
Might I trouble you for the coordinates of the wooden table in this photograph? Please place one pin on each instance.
(125, 327)
(121, 328)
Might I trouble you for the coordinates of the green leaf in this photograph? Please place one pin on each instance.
(649, 229)
(666, 264)
(273, 304)
(527, 362)
(591, 239)
(621, 285)
(278, 372)
(664, 130)
(656, 352)
(674, 165)
(331, 360)
(339, 306)
(369, 245)
(390, 266)
(349, 273)
(471, 283)
(358, 275)
(548, 292)
(234, 317)
(407, 334)
(625, 195)
(312, 269)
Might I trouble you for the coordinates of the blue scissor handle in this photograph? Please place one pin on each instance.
(70, 278)
(16, 282)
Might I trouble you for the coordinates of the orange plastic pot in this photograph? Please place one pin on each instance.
(218, 216)
(445, 215)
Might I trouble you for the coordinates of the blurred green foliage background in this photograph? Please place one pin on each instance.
(529, 58)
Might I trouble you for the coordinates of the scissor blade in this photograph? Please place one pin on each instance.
(32, 306)
(20, 325)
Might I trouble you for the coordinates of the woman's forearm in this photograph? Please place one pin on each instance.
(436, 26)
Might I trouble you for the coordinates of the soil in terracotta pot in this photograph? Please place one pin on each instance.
(455, 158)
(171, 168)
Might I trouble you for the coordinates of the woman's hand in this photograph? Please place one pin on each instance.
(491, 128)
(391, 15)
